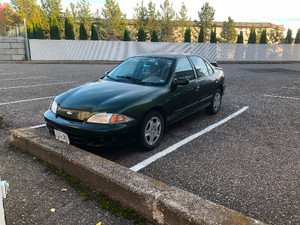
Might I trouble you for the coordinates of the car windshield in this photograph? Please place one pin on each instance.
(142, 70)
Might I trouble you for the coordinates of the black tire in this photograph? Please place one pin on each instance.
(152, 122)
(215, 103)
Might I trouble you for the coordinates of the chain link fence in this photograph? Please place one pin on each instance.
(18, 31)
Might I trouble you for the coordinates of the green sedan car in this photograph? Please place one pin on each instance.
(136, 101)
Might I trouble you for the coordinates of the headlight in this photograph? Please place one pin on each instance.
(53, 107)
(108, 118)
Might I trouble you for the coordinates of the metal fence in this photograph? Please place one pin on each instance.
(18, 31)
(120, 50)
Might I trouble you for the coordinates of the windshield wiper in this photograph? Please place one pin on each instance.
(136, 80)
(112, 78)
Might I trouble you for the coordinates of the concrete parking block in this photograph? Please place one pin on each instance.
(151, 198)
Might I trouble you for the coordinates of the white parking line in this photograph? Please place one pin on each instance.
(291, 88)
(38, 85)
(172, 148)
(283, 97)
(38, 126)
(26, 100)
(23, 78)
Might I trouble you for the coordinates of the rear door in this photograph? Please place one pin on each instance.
(206, 79)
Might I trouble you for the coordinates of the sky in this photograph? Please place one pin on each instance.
(286, 13)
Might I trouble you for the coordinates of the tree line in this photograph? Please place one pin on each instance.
(149, 23)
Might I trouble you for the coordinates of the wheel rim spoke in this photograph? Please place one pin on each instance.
(152, 130)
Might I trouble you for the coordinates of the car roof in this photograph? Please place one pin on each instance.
(167, 55)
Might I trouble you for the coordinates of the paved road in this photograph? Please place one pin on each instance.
(250, 164)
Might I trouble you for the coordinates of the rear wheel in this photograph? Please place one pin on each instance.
(215, 103)
(151, 130)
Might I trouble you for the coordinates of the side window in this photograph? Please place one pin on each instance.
(210, 70)
(200, 66)
(184, 69)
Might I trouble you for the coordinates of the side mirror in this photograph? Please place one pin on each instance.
(181, 81)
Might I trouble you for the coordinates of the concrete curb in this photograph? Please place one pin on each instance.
(149, 197)
(1, 120)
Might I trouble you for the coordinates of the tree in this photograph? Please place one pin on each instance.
(69, 31)
(141, 34)
(288, 38)
(206, 16)
(29, 10)
(240, 39)
(39, 30)
(8, 17)
(167, 21)
(259, 33)
(114, 19)
(252, 36)
(82, 32)
(297, 40)
(84, 13)
(53, 8)
(276, 36)
(140, 16)
(154, 37)
(94, 35)
(229, 33)
(201, 35)
(263, 37)
(54, 29)
(187, 35)
(213, 36)
(152, 17)
(126, 36)
(183, 20)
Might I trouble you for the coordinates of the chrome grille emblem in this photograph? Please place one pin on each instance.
(69, 113)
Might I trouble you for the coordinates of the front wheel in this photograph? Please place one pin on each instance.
(215, 103)
(151, 130)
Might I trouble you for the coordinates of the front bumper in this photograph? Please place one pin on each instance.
(93, 134)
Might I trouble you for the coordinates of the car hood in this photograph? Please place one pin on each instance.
(102, 96)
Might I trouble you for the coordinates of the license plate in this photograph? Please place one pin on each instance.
(61, 136)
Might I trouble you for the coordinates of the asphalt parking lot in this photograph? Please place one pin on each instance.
(250, 163)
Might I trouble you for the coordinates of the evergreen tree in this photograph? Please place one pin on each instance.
(229, 33)
(82, 32)
(201, 36)
(39, 31)
(141, 34)
(114, 19)
(263, 37)
(154, 37)
(167, 20)
(140, 16)
(288, 38)
(152, 17)
(183, 22)
(240, 39)
(94, 35)
(252, 36)
(297, 40)
(54, 30)
(187, 35)
(126, 36)
(206, 16)
(69, 31)
(213, 36)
